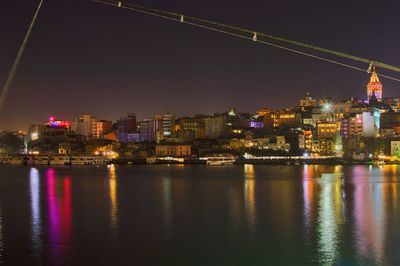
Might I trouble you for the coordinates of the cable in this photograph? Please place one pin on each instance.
(255, 36)
(14, 68)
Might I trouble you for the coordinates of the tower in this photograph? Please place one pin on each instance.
(374, 86)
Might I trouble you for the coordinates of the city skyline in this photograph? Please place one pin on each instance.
(373, 89)
(197, 71)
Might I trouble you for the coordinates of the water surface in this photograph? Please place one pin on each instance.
(197, 215)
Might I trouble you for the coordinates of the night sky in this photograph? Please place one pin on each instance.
(84, 57)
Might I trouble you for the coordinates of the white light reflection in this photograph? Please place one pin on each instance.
(330, 220)
(249, 196)
(35, 211)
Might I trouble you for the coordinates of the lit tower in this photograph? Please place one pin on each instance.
(374, 86)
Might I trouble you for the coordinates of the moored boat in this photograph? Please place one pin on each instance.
(220, 160)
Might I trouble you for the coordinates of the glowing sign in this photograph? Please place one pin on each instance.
(53, 122)
(255, 124)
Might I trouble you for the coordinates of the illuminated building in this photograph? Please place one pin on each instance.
(278, 143)
(371, 123)
(174, 150)
(126, 126)
(91, 127)
(326, 146)
(394, 103)
(237, 144)
(264, 111)
(307, 101)
(282, 118)
(133, 137)
(65, 148)
(329, 140)
(309, 122)
(35, 131)
(374, 86)
(328, 129)
(193, 126)
(352, 126)
(147, 130)
(101, 128)
(323, 113)
(387, 132)
(164, 126)
(308, 136)
(48, 137)
(340, 110)
(168, 125)
(275, 143)
(83, 125)
(365, 124)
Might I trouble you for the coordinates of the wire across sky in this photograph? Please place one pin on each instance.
(300, 48)
(256, 36)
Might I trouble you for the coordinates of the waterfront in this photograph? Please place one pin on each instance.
(198, 215)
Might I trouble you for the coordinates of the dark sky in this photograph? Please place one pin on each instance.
(84, 57)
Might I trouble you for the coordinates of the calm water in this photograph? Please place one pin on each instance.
(197, 215)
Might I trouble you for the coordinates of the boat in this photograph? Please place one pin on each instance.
(220, 160)
(40, 160)
(14, 160)
(60, 160)
(88, 160)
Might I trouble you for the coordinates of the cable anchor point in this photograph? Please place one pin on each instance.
(255, 36)
(371, 66)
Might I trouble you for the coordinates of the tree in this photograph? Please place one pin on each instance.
(10, 143)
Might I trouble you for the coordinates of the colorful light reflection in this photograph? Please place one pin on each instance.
(308, 195)
(59, 211)
(370, 220)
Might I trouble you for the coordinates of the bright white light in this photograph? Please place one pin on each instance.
(327, 107)
(247, 156)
